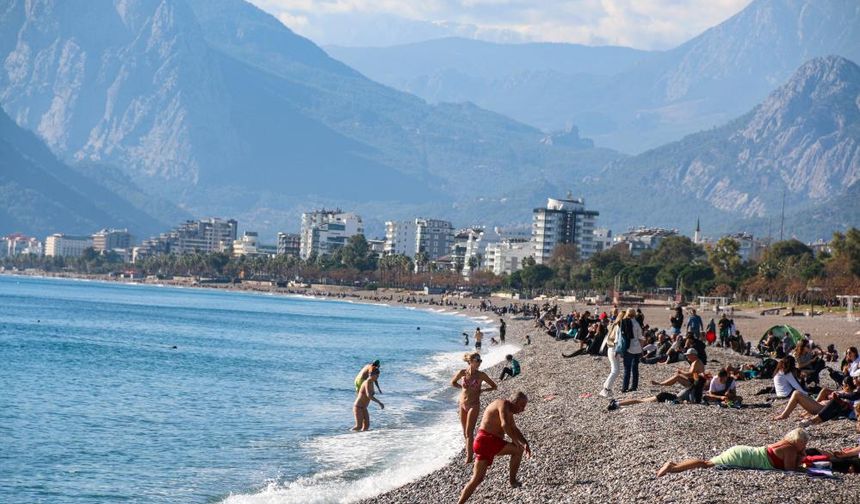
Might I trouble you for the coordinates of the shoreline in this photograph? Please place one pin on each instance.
(585, 453)
(471, 317)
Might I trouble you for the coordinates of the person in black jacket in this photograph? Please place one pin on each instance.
(677, 320)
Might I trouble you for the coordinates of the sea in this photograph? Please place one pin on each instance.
(114, 392)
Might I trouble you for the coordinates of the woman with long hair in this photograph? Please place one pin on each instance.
(613, 332)
(470, 381)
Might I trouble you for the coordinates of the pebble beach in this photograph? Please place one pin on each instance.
(585, 453)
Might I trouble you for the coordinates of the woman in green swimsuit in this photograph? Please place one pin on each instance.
(784, 455)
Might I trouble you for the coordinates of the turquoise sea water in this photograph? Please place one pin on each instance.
(253, 404)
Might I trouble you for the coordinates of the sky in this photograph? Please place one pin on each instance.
(643, 24)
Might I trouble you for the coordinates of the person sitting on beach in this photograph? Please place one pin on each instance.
(832, 355)
(684, 377)
(723, 388)
(364, 374)
(785, 379)
(850, 366)
(693, 380)
(362, 401)
(470, 398)
(511, 369)
(827, 406)
(784, 455)
(490, 442)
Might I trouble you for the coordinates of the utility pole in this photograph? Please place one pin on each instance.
(782, 218)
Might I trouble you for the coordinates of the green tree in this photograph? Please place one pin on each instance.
(725, 259)
(846, 248)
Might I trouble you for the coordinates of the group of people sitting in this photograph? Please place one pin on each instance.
(626, 338)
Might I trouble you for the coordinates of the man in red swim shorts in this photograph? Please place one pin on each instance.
(490, 442)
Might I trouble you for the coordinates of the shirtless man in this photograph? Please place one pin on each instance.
(362, 401)
(478, 337)
(685, 378)
(498, 420)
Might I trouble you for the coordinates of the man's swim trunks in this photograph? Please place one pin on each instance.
(487, 446)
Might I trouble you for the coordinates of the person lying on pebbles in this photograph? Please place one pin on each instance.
(786, 454)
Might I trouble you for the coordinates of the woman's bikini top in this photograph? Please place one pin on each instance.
(473, 383)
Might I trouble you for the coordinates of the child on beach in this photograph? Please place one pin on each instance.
(362, 401)
(511, 369)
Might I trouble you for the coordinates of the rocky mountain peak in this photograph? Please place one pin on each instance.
(823, 94)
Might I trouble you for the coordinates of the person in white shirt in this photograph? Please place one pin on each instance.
(784, 380)
(723, 388)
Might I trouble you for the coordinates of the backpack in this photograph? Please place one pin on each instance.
(622, 342)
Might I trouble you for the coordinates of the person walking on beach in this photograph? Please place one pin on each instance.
(470, 381)
(784, 455)
(631, 332)
(502, 329)
(479, 336)
(612, 336)
(364, 374)
(490, 443)
(695, 325)
(362, 401)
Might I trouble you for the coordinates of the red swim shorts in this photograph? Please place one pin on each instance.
(487, 446)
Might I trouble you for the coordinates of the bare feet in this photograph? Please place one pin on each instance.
(665, 469)
(355, 429)
(780, 417)
(516, 484)
(656, 383)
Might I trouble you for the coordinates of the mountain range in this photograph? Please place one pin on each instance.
(626, 100)
(219, 109)
(801, 142)
(41, 195)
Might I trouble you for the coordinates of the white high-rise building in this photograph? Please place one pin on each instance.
(62, 245)
(431, 236)
(324, 231)
(563, 221)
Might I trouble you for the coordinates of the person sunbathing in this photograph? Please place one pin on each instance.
(785, 454)
(685, 378)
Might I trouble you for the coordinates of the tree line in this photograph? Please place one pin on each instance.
(786, 271)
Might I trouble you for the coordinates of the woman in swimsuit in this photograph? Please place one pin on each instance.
(785, 455)
(470, 381)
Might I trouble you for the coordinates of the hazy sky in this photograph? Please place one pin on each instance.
(644, 24)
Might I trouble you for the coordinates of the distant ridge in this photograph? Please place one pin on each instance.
(41, 195)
